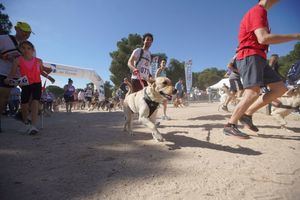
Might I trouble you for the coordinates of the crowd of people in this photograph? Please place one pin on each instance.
(21, 71)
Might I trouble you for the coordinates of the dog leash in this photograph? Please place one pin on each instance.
(137, 73)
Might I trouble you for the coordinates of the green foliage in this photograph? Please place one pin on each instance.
(285, 62)
(162, 56)
(118, 66)
(108, 88)
(207, 77)
(57, 91)
(175, 70)
(5, 24)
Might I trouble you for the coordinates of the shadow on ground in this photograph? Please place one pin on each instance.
(185, 141)
(74, 157)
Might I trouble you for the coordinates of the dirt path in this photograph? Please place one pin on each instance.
(86, 155)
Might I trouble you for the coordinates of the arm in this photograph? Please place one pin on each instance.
(44, 73)
(158, 71)
(263, 37)
(131, 61)
(13, 70)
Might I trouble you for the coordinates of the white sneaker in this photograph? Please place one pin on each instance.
(26, 128)
(33, 130)
(165, 117)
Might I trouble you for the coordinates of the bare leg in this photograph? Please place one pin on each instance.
(250, 96)
(25, 110)
(276, 90)
(71, 105)
(4, 95)
(229, 98)
(34, 111)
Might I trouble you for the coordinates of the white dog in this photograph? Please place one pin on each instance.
(225, 94)
(145, 102)
(289, 102)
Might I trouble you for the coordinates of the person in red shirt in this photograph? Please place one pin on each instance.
(31, 68)
(254, 37)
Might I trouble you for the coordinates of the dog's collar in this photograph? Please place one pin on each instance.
(151, 104)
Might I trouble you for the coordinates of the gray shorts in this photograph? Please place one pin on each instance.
(255, 71)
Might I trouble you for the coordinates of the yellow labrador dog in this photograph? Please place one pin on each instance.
(289, 102)
(145, 102)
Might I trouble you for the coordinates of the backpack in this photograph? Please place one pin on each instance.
(293, 74)
(140, 57)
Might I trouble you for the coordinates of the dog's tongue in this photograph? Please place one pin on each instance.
(169, 97)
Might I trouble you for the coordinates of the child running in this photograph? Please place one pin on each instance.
(30, 67)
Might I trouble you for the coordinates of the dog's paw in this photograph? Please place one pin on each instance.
(158, 137)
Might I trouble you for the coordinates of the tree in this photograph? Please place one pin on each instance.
(120, 57)
(5, 25)
(56, 90)
(285, 62)
(108, 89)
(207, 77)
(175, 70)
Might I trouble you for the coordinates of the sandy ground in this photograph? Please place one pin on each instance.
(86, 155)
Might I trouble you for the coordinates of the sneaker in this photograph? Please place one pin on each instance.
(232, 130)
(225, 108)
(246, 120)
(33, 130)
(165, 117)
(157, 124)
(26, 128)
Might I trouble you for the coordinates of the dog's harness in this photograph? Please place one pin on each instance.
(151, 104)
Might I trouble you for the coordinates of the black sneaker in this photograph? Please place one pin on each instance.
(232, 130)
(246, 120)
(225, 108)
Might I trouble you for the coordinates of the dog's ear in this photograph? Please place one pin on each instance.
(151, 81)
(153, 84)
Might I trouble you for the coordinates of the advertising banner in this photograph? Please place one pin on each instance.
(154, 65)
(188, 75)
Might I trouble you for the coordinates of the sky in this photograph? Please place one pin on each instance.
(83, 33)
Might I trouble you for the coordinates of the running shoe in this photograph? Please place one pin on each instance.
(26, 128)
(246, 120)
(165, 117)
(225, 108)
(232, 130)
(33, 130)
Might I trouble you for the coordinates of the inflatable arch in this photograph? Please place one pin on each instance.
(76, 72)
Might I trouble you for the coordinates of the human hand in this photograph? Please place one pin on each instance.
(136, 71)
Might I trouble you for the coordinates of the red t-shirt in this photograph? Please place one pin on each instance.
(254, 19)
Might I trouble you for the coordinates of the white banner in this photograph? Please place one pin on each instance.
(188, 75)
(70, 71)
(154, 65)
